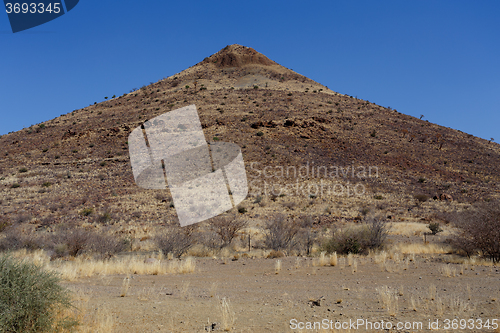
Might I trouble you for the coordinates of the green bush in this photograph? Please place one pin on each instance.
(87, 211)
(31, 300)
(435, 228)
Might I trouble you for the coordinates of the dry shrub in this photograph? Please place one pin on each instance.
(479, 231)
(79, 241)
(176, 240)
(369, 236)
(280, 233)
(224, 230)
(307, 235)
(275, 254)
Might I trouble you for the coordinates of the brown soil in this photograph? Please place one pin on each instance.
(263, 301)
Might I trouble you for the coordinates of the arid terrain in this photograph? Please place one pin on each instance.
(311, 154)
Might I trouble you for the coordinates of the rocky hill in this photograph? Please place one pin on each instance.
(292, 131)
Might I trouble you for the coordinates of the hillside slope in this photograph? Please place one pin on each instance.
(57, 171)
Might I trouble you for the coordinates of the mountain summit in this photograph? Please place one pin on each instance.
(241, 67)
(237, 56)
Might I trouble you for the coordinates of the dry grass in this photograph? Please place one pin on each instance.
(432, 292)
(297, 263)
(277, 266)
(460, 307)
(185, 292)
(125, 286)
(389, 299)
(415, 229)
(321, 261)
(407, 228)
(472, 261)
(439, 307)
(146, 294)
(72, 270)
(413, 304)
(380, 257)
(420, 248)
(94, 319)
(333, 259)
(349, 259)
(85, 267)
(213, 289)
(226, 314)
(354, 267)
(448, 271)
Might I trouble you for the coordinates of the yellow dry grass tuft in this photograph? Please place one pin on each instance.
(277, 266)
(125, 286)
(333, 259)
(419, 248)
(389, 299)
(448, 271)
(227, 315)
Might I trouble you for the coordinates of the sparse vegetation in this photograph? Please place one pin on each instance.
(31, 299)
(224, 230)
(435, 228)
(280, 233)
(479, 231)
(87, 211)
(176, 240)
(371, 235)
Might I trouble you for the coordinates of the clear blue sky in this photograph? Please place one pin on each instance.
(436, 58)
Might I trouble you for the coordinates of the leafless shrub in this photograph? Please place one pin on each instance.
(76, 241)
(307, 235)
(176, 240)
(280, 233)
(377, 232)
(371, 235)
(479, 231)
(20, 238)
(106, 245)
(226, 229)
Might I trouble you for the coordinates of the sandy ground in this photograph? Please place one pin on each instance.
(263, 300)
